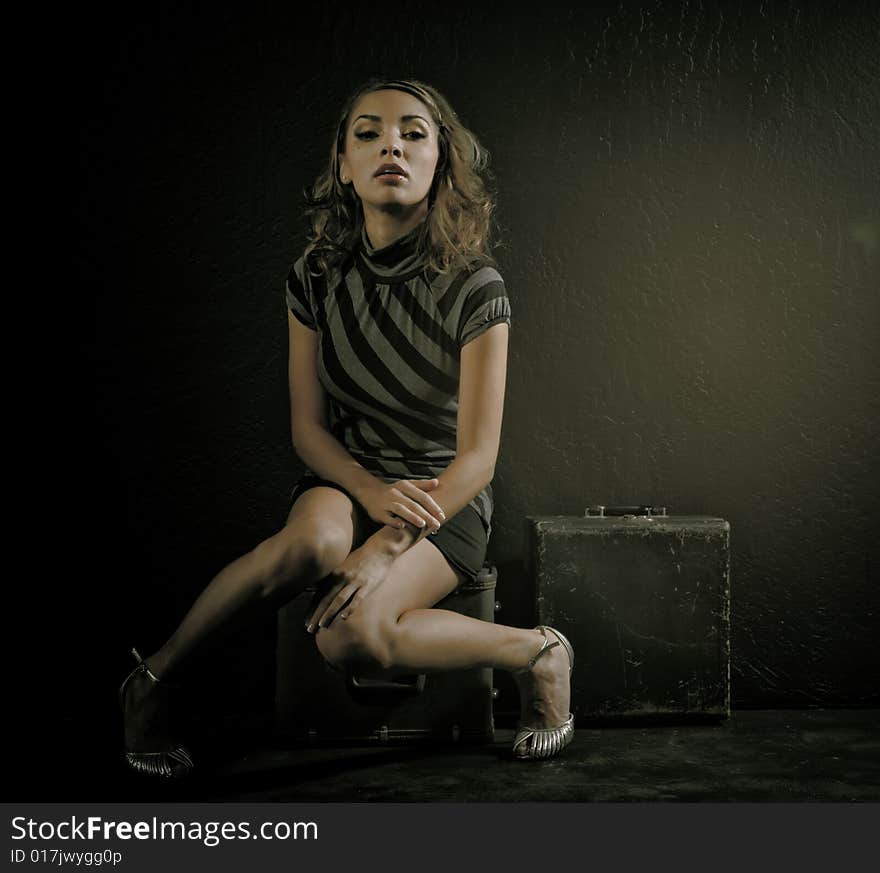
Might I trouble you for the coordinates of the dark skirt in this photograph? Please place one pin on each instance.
(461, 539)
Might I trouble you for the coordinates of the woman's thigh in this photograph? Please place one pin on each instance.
(418, 579)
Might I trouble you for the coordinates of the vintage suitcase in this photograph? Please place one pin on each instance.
(645, 600)
(316, 704)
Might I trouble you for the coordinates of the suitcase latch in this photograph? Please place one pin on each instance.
(627, 512)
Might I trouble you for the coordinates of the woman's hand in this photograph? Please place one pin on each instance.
(405, 500)
(360, 573)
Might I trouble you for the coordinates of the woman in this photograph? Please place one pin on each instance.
(398, 330)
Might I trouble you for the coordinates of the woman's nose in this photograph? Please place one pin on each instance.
(392, 149)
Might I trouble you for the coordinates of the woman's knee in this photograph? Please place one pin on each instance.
(301, 552)
(361, 642)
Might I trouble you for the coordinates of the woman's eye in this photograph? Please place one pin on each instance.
(371, 134)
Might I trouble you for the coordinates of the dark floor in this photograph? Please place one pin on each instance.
(768, 755)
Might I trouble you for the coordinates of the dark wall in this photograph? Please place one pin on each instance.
(688, 210)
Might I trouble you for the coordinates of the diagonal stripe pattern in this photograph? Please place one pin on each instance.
(389, 352)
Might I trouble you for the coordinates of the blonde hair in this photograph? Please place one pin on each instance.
(457, 228)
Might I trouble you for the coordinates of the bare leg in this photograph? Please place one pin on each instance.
(435, 639)
(394, 630)
(317, 538)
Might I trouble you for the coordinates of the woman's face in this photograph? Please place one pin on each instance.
(390, 128)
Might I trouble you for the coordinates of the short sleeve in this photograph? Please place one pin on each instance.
(298, 297)
(486, 304)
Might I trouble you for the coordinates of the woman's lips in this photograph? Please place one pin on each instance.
(391, 171)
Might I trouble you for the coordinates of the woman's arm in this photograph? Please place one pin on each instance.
(309, 428)
(483, 376)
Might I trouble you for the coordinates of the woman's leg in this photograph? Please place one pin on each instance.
(317, 537)
(395, 630)
(320, 531)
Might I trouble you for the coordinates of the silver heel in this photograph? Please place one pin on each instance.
(534, 743)
(171, 762)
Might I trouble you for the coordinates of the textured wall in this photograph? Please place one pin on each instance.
(688, 206)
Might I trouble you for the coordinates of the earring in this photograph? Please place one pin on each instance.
(344, 180)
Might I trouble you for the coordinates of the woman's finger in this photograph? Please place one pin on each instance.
(321, 608)
(355, 602)
(423, 500)
(335, 605)
(394, 520)
(416, 515)
(425, 484)
(433, 518)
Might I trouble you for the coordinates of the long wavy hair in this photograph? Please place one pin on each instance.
(456, 231)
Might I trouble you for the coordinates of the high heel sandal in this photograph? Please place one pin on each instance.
(533, 743)
(174, 760)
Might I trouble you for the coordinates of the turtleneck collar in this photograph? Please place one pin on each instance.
(397, 262)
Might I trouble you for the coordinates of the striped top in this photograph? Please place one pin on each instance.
(390, 334)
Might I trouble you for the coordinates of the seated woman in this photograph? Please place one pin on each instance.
(398, 329)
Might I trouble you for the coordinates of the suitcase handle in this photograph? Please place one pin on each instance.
(364, 689)
(599, 511)
(410, 683)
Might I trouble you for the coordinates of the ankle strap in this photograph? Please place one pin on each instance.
(544, 649)
(142, 666)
